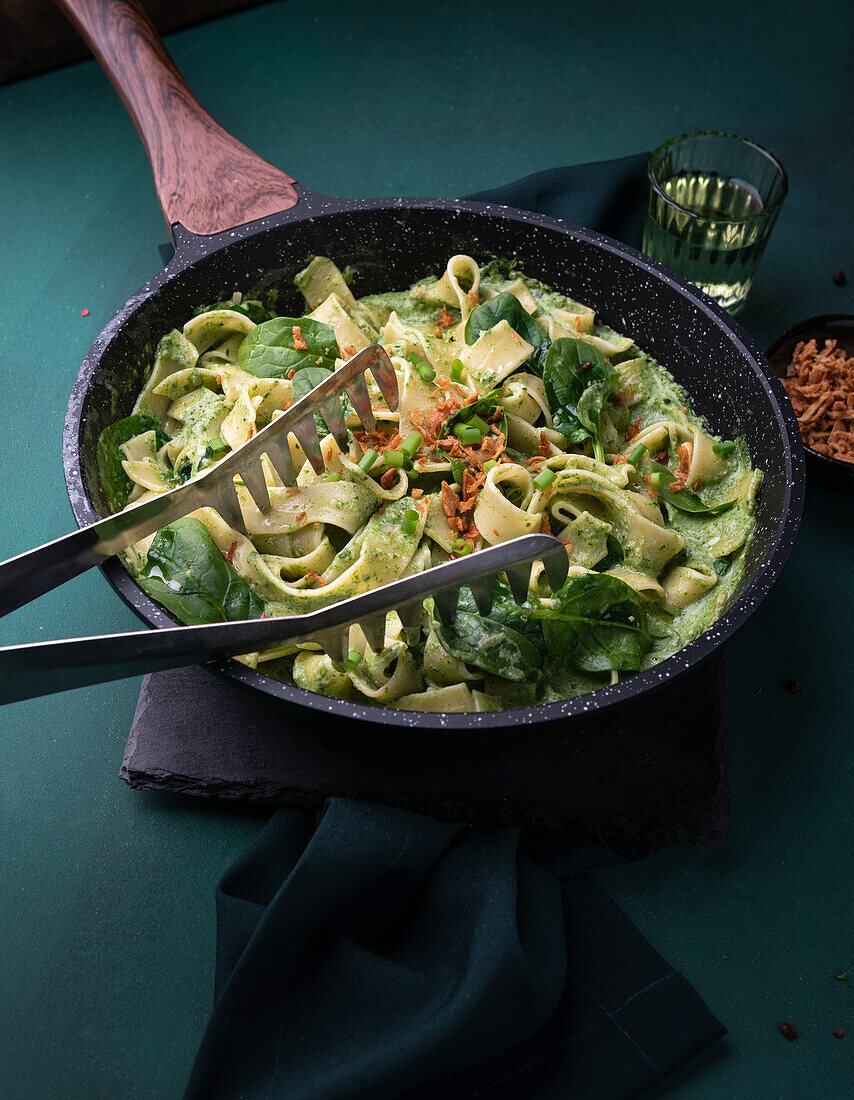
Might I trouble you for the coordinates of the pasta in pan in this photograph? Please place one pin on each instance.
(519, 412)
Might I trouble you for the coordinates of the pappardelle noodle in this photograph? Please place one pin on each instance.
(519, 412)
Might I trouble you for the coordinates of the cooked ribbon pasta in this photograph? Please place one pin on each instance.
(519, 412)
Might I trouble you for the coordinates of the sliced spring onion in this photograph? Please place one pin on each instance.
(637, 454)
(481, 425)
(655, 479)
(423, 368)
(489, 465)
(468, 435)
(217, 445)
(394, 458)
(353, 661)
(461, 547)
(411, 444)
(409, 523)
(368, 459)
(725, 448)
(457, 369)
(543, 480)
(333, 476)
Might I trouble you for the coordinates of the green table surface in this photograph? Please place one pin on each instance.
(107, 916)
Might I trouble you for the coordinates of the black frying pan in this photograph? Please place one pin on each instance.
(240, 224)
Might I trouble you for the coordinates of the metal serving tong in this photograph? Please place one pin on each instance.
(41, 668)
(31, 574)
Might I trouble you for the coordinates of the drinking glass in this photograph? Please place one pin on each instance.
(713, 201)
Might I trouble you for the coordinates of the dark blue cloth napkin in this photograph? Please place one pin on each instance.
(609, 195)
(367, 951)
(372, 952)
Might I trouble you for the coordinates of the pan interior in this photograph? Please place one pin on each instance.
(391, 248)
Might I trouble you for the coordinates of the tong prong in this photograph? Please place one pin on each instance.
(519, 579)
(253, 478)
(446, 604)
(333, 643)
(279, 453)
(386, 380)
(556, 564)
(483, 590)
(360, 399)
(373, 627)
(333, 414)
(306, 432)
(224, 500)
(410, 615)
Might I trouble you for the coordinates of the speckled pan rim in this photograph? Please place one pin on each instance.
(314, 206)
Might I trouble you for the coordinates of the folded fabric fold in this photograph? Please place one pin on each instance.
(608, 195)
(373, 952)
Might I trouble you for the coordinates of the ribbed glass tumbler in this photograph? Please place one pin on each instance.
(713, 201)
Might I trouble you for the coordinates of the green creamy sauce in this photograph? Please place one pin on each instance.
(664, 399)
(380, 551)
(498, 275)
(409, 310)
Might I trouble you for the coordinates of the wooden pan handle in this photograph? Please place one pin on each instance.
(205, 178)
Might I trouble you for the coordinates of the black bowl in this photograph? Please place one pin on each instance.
(392, 243)
(830, 326)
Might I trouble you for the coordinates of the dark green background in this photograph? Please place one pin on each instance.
(107, 915)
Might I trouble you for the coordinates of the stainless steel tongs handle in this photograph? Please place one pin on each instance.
(41, 668)
(35, 572)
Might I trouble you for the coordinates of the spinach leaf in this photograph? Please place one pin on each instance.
(506, 611)
(458, 470)
(507, 307)
(599, 624)
(684, 499)
(304, 382)
(591, 406)
(721, 566)
(187, 574)
(579, 383)
(114, 481)
(306, 379)
(505, 643)
(249, 307)
(269, 350)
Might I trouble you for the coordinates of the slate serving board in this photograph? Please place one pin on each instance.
(657, 774)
